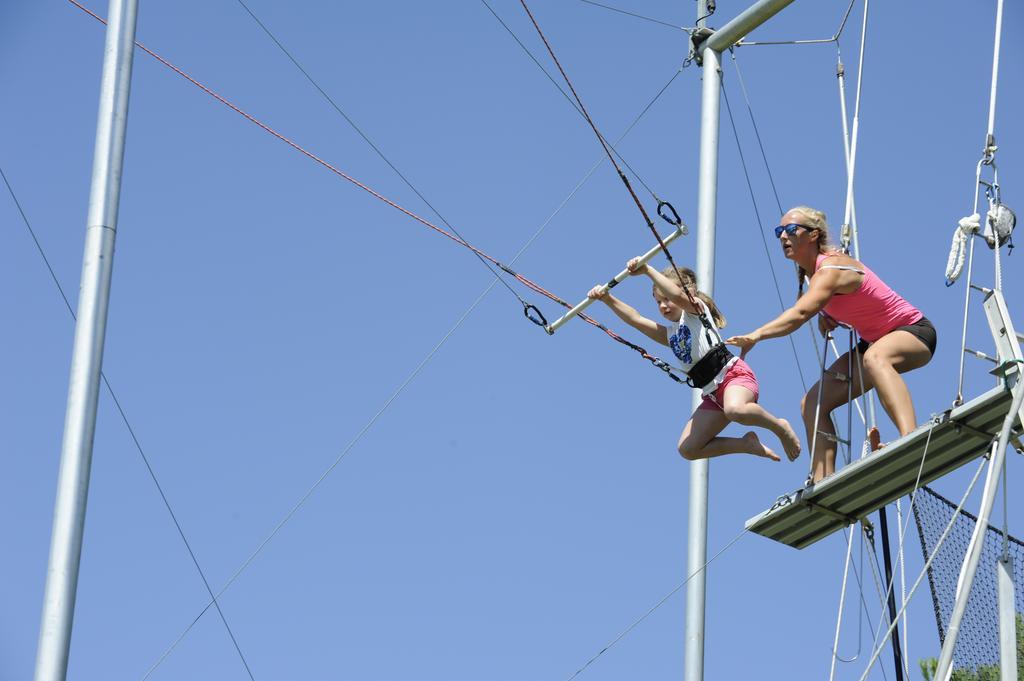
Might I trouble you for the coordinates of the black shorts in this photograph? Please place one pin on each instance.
(922, 329)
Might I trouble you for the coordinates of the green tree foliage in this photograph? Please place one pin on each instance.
(989, 672)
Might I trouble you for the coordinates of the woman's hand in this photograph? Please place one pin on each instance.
(636, 267)
(744, 343)
(598, 292)
(826, 324)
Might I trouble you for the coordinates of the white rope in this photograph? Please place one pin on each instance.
(842, 602)
(924, 570)
(904, 526)
(958, 249)
(987, 158)
(849, 226)
(903, 579)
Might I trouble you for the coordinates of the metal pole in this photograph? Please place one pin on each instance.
(707, 193)
(697, 534)
(86, 358)
(883, 527)
(1007, 615)
(747, 21)
(970, 566)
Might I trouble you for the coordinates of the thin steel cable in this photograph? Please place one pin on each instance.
(604, 145)
(902, 534)
(323, 476)
(814, 41)
(771, 177)
(839, 615)
(131, 432)
(760, 225)
(522, 250)
(659, 363)
(639, 16)
(935, 551)
(358, 129)
(568, 98)
(656, 606)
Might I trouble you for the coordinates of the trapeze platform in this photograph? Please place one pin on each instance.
(957, 437)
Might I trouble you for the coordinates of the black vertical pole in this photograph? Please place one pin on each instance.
(897, 654)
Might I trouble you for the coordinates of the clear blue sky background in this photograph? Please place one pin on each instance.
(521, 502)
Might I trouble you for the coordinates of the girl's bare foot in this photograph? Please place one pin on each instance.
(756, 448)
(790, 441)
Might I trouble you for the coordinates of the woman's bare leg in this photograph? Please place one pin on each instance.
(834, 393)
(887, 358)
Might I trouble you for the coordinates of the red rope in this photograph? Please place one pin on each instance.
(294, 145)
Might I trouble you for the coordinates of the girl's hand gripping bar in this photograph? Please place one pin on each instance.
(585, 303)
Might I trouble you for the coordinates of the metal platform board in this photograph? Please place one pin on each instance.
(960, 435)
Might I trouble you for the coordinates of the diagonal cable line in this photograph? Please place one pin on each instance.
(638, 16)
(530, 311)
(131, 432)
(657, 605)
(569, 99)
(593, 168)
(370, 142)
(757, 215)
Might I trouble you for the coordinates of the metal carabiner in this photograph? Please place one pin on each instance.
(539, 320)
(674, 220)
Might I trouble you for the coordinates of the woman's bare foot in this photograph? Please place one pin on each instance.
(756, 448)
(875, 438)
(790, 441)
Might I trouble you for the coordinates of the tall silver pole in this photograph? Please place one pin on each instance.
(697, 551)
(970, 566)
(86, 358)
(710, 51)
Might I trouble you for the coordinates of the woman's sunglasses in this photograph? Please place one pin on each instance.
(790, 229)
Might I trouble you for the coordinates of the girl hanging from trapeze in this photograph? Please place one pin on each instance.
(728, 384)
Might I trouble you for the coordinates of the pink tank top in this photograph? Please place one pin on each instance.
(873, 309)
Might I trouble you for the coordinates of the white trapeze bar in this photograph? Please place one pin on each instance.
(585, 303)
(958, 436)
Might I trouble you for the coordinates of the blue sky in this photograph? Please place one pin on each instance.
(520, 503)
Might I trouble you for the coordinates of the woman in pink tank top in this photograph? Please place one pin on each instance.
(895, 336)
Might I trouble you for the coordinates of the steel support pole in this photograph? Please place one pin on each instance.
(944, 669)
(87, 354)
(697, 550)
(707, 196)
(752, 17)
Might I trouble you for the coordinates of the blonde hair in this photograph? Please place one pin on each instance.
(816, 220)
(687, 279)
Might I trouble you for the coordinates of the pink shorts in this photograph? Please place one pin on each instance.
(739, 374)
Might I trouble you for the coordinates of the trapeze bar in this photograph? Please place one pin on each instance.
(586, 302)
(803, 517)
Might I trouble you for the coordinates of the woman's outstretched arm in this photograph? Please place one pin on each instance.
(823, 287)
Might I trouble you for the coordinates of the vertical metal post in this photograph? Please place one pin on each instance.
(944, 669)
(1007, 617)
(707, 195)
(697, 550)
(86, 358)
(897, 656)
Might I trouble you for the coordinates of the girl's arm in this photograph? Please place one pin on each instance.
(823, 286)
(668, 288)
(648, 327)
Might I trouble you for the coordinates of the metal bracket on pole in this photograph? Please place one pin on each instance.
(697, 39)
